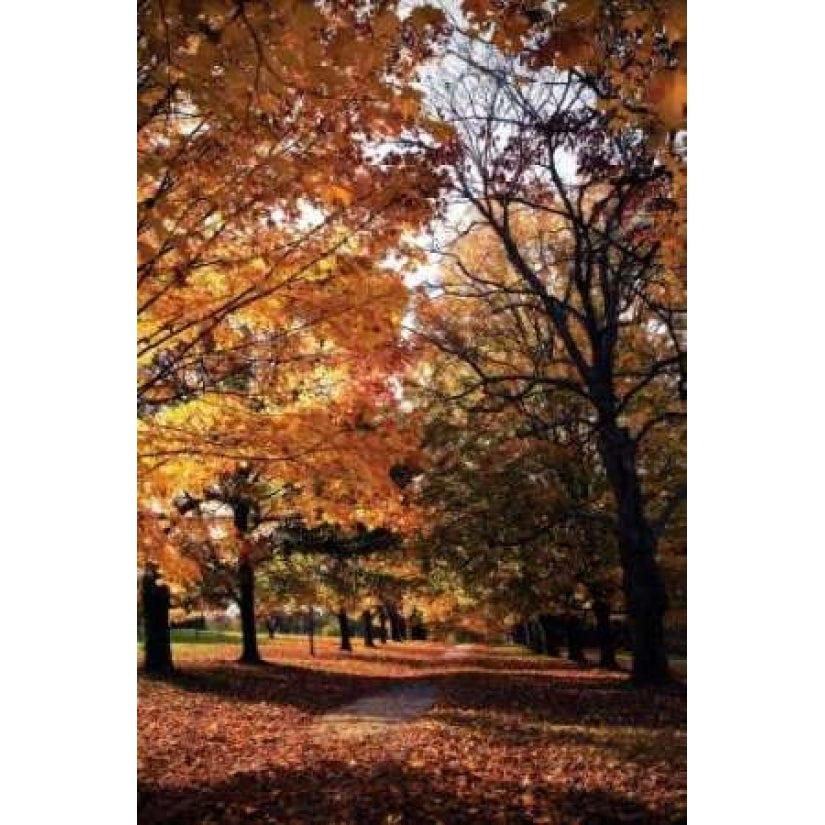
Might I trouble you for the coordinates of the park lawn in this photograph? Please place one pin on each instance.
(513, 738)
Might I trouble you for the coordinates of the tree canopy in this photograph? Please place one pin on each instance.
(411, 305)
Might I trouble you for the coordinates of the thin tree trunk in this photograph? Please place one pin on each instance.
(343, 624)
(536, 637)
(542, 642)
(382, 625)
(311, 629)
(241, 512)
(643, 583)
(548, 626)
(369, 636)
(395, 625)
(246, 580)
(157, 641)
(604, 633)
(418, 630)
(575, 651)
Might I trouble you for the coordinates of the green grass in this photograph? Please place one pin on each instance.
(219, 637)
(208, 637)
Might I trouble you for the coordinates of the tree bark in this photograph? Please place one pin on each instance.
(575, 650)
(528, 635)
(643, 583)
(418, 630)
(369, 635)
(549, 626)
(382, 625)
(246, 581)
(604, 633)
(395, 624)
(241, 515)
(536, 643)
(157, 641)
(343, 624)
(311, 629)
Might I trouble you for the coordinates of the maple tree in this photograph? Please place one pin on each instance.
(264, 175)
(244, 527)
(269, 194)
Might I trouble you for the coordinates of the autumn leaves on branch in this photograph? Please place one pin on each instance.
(292, 156)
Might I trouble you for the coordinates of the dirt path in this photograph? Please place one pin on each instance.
(457, 652)
(377, 713)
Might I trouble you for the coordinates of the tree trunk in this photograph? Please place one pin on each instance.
(395, 624)
(311, 629)
(604, 633)
(369, 636)
(528, 635)
(548, 625)
(343, 624)
(157, 641)
(643, 584)
(246, 581)
(382, 625)
(542, 643)
(418, 630)
(536, 643)
(575, 651)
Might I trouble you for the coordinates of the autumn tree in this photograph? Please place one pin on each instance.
(240, 493)
(243, 524)
(260, 179)
(285, 160)
(164, 574)
(343, 567)
(523, 522)
(568, 213)
(274, 197)
(631, 54)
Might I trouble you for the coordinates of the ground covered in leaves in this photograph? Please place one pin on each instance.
(512, 738)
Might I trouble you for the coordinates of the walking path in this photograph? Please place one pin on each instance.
(375, 714)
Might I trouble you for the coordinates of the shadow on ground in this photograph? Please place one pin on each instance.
(505, 743)
(564, 699)
(386, 793)
(307, 689)
(557, 696)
